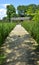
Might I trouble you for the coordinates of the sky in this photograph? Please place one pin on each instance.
(4, 3)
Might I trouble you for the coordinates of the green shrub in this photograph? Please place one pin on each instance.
(5, 29)
(33, 28)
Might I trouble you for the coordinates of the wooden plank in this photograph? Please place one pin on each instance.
(20, 18)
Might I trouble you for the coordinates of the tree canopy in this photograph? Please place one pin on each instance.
(31, 9)
(21, 10)
(11, 11)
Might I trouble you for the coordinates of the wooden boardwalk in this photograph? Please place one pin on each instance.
(19, 48)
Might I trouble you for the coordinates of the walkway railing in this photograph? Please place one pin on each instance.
(20, 18)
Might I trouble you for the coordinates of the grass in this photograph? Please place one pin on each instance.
(5, 29)
(2, 57)
(33, 28)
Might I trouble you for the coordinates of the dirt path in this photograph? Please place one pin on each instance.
(19, 48)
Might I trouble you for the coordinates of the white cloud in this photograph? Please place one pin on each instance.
(4, 5)
(3, 10)
(2, 13)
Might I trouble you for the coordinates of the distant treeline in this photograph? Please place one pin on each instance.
(22, 11)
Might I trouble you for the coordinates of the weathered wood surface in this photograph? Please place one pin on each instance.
(20, 18)
(19, 48)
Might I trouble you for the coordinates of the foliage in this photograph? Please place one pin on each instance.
(10, 11)
(2, 57)
(5, 28)
(31, 9)
(36, 17)
(27, 10)
(33, 28)
(21, 10)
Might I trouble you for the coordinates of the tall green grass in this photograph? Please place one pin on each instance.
(33, 28)
(5, 28)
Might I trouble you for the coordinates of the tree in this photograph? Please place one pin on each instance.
(38, 7)
(10, 11)
(31, 9)
(4, 19)
(21, 10)
(36, 17)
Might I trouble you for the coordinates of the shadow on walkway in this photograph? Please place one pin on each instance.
(19, 50)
